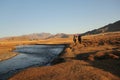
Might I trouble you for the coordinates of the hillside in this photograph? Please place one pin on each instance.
(59, 35)
(35, 36)
(113, 27)
(97, 58)
(38, 36)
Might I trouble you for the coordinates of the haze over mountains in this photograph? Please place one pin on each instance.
(113, 27)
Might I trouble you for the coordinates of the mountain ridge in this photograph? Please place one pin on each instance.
(112, 27)
(36, 36)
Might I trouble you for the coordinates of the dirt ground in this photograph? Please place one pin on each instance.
(97, 58)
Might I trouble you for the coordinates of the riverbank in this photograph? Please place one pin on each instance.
(6, 52)
(7, 47)
(97, 58)
(75, 68)
(29, 56)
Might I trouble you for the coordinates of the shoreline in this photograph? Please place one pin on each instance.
(13, 54)
(97, 54)
(12, 72)
(74, 63)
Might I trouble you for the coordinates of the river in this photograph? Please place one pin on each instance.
(29, 56)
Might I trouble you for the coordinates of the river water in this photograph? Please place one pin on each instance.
(29, 56)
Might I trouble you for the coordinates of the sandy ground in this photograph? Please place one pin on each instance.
(97, 58)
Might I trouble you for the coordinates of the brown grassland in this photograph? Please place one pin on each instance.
(97, 58)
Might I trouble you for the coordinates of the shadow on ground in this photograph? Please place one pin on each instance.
(107, 62)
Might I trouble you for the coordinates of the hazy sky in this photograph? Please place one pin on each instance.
(18, 17)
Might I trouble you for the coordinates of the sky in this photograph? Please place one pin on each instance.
(19, 17)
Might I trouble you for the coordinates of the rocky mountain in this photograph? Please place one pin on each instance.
(38, 36)
(108, 28)
(35, 36)
(60, 35)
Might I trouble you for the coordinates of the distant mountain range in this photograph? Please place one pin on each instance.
(108, 28)
(36, 36)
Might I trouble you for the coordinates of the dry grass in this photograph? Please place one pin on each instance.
(71, 70)
(6, 52)
(6, 47)
(97, 58)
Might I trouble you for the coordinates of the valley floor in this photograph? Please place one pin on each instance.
(97, 58)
